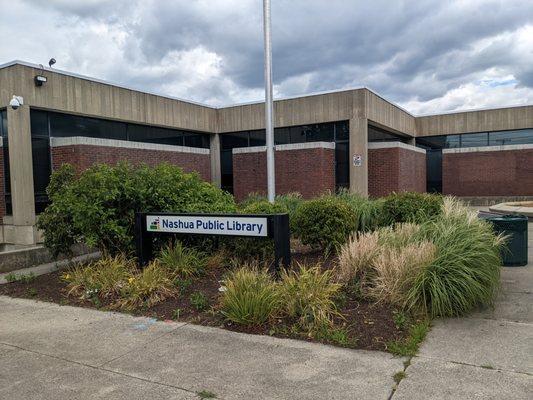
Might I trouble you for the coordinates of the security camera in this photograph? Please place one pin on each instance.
(16, 102)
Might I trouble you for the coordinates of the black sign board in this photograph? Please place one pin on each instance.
(274, 226)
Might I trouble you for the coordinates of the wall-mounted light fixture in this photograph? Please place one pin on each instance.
(39, 80)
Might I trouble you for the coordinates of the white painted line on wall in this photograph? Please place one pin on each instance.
(506, 147)
(87, 141)
(391, 145)
(286, 147)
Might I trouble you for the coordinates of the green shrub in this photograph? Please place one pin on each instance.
(98, 208)
(411, 207)
(183, 262)
(466, 271)
(307, 296)
(291, 202)
(250, 296)
(257, 248)
(370, 215)
(324, 223)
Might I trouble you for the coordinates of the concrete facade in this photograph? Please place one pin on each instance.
(73, 94)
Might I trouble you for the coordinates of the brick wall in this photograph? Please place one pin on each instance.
(82, 156)
(307, 168)
(488, 173)
(395, 167)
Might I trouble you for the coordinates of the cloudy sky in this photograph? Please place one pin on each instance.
(426, 55)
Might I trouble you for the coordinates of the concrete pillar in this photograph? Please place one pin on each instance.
(359, 156)
(216, 177)
(21, 170)
(411, 141)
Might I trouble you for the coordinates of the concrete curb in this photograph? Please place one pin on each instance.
(51, 267)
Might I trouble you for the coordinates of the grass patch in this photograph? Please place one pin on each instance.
(23, 278)
(409, 346)
(206, 394)
(398, 376)
(183, 262)
(199, 301)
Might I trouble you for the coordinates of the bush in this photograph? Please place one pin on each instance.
(396, 269)
(307, 296)
(257, 247)
(411, 207)
(356, 258)
(369, 213)
(324, 223)
(385, 263)
(182, 262)
(466, 271)
(250, 296)
(98, 208)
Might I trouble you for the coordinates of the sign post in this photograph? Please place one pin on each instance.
(274, 226)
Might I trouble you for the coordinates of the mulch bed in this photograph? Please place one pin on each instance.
(368, 325)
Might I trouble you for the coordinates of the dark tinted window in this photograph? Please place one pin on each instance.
(41, 171)
(3, 123)
(475, 139)
(231, 140)
(380, 135)
(196, 140)
(524, 136)
(64, 125)
(39, 123)
(321, 133)
(281, 136)
(342, 130)
(342, 167)
(298, 133)
(258, 138)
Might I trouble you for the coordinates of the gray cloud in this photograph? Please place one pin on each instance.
(413, 52)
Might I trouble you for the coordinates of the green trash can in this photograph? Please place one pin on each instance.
(515, 226)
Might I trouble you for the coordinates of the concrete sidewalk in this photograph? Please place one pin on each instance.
(49, 351)
(488, 355)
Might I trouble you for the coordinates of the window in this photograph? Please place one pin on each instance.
(475, 139)
(232, 140)
(380, 135)
(5, 151)
(320, 133)
(258, 138)
(66, 125)
(337, 132)
(281, 136)
(524, 136)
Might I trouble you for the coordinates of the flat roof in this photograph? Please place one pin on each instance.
(88, 78)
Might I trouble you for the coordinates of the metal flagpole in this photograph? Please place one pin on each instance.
(269, 108)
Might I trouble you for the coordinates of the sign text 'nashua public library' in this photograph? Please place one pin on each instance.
(210, 225)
